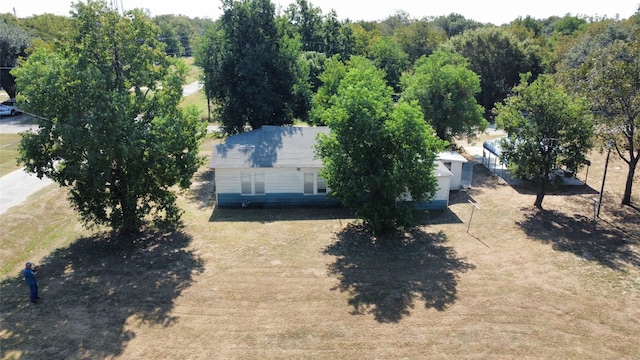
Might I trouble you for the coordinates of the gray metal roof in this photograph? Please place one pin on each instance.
(269, 146)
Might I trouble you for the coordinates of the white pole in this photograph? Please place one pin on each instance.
(472, 210)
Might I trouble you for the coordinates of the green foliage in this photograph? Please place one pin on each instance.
(364, 39)
(609, 76)
(48, 28)
(420, 38)
(445, 89)
(387, 55)
(249, 69)
(315, 63)
(111, 128)
(178, 33)
(208, 55)
(300, 66)
(14, 42)
(455, 24)
(173, 46)
(307, 21)
(324, 98)
(377, 153)
(398, 20)
(337, 38)
(499, 58)
(569, 25)
(546, 128)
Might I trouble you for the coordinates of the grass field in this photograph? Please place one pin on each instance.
(8, 153)
(273, 284)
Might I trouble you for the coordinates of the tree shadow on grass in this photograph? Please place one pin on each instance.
(91, 290)
(606, 245)
(385, 276)
(201, 190)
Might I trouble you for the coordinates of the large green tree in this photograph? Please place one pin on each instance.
(419, 38)
(377, 153)
(330, 78)
(337, 37)
(608, 74)
(306, 20)
(546, 128)
(455, 24)
(48, 28)
(178, 32)
(445, 88)
(499, 58)
(111, 130)
(209, 57)
(14, 42)
(387, 55)
(249, 69)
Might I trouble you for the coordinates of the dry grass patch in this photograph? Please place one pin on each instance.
(8, 153)
(292, 283)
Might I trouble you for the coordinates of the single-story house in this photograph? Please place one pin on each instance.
(277, 166)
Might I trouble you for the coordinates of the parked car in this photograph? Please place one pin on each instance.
(5, 110)
(11, 104)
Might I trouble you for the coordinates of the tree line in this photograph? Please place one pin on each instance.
(558, 86)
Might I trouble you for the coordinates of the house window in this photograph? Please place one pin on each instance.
(314, 184)
(308, 183)
(447, 164)
(322, 185)
(259, 184)
(246, 183)
(252, 184)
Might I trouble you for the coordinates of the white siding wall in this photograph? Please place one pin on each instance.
(443, 189)
(277, 180)
(290, 180)
(456, 169)
(442, 193)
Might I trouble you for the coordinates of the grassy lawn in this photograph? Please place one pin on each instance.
(199, 100)
(8, 153)
(274, 284)
(194, 72)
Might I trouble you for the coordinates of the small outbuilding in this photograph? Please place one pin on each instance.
(453, 161)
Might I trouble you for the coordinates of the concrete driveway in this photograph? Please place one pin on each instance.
(15, 187)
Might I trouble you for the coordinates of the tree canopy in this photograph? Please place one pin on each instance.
(445, 88)
(546, 128)
(111, 130)
(393, 157)
(14, 42)
(608, 74)
(330, 78)
(387, 55)
(249, 69)
(499, 58)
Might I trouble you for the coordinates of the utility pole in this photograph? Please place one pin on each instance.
(604, 177)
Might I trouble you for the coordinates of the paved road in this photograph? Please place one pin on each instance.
(191, 88)
(15, 187)
(18, 185)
